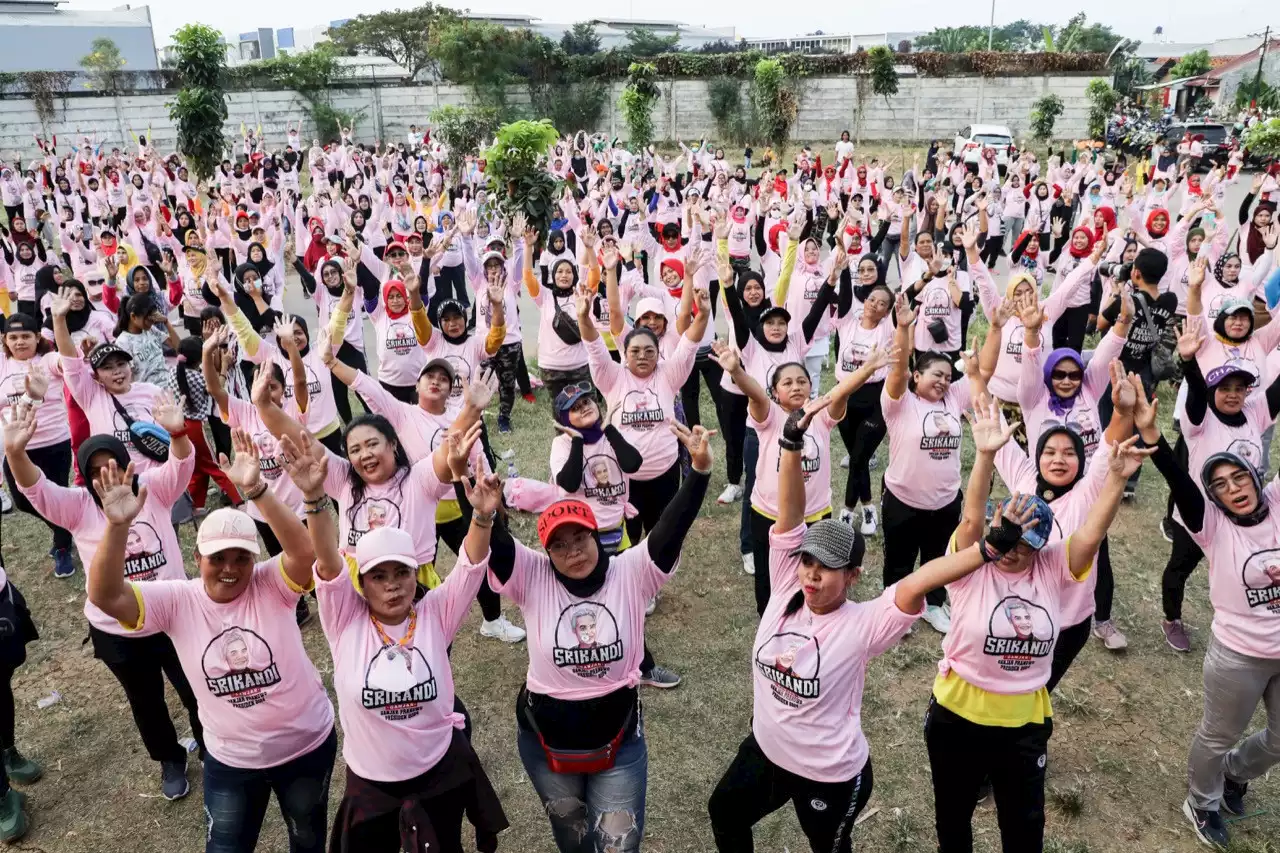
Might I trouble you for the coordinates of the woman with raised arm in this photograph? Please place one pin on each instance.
(767, 412)
(1238, 527)
(920, 499)
(561, 356)
(580, 731)
(806, 743)
(990, 715)
(405, 753)
(267, 721)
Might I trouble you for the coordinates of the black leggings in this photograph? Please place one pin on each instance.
(754, 787)
(963, 754)
(505, 363)
(221, 434)
(1070, 641)
(992, 250)
(733, 423)
(7, 712)
(453, 532)
(1105, 590)
(862, 430)
(451, 283)
(689, 392)
(1183, 559)
(351, 357)
(1069, 329)
(910, 533)
(55, 462)
(650, 498)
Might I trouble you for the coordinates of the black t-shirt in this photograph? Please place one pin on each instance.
(1144, 334)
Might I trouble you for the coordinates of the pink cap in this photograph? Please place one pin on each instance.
(385, 545)
(227, 528)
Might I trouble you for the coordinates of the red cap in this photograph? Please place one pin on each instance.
(396, 243)
(561, 513)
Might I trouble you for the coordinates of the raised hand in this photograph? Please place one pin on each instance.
(811, 408)
(284, 336)
(969, 236)
(115, 489)
(460, 446)
(259, 391)
(486, 495)
(37, 382)
(584, 298)
(698, 442)
(989, 434)
(702, 300)
(60, 302)
(324, 346)
(1196, 272)
(217, 336)
(306, 463)
(519, 223)
(1144, 409)
(19, 426)
(478, 394)
(1190, 337)
(1123, 397)
(245, 470)
(169, 413)
(1031, 314)
(903, 310)
(1127, 457)
(726, 356)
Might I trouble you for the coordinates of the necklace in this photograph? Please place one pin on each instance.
(406, 641)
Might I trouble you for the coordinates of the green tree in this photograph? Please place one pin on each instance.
(1264, 138)
(462, 130)
(400, 35)
(776, 102)
(954, 39)
(200, 107)
(581, 40)
(515, 163)
(479, 54)
(884, 77)
(1020, 36)
(637, 102)
(642, 42)
(1102, 103)
(1253, 89)
(103, 64)
(1079, 36)
(1044, 113)
(1193, 64)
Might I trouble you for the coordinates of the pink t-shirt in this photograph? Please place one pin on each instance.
(326, 304)
(934, 303)
(553, 353)
(1244, 578)
(809, 671)
(604, 485)
(415, 429)
(1212, 436)
(51, 415)
(400, 358)
(1004, 624)
(407, 501)
(760, 364)
(244, 415)
(396, 702)
(322, 409)
(815, 462)
(152, 551)
(262, 703)
(1082, 418)
(856, 343)
(924, 446)
(1069, 512)
(583, 648)
(640, 408)
(103, 416)
(465, 358)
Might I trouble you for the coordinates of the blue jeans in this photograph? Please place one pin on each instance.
(750, 453)
(235, 801)
(601, 811)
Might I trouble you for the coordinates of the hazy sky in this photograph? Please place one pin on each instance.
(1183, 20)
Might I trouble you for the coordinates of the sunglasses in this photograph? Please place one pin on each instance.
(1073, 375)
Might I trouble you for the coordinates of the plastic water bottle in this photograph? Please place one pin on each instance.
(49, 701)
(189, 744)
(512, 473)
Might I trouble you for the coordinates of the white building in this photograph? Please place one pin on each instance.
(612, 31)
(35, 35)
(821, 42)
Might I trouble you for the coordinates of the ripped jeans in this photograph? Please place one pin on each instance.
(597, 813)
(236, 799)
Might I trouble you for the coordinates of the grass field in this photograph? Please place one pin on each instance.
(1117, 758)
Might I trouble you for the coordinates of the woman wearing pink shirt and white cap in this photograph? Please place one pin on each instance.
(990, 716)
(403, 744)
(806, 743)
(268, 723)
(580, 730)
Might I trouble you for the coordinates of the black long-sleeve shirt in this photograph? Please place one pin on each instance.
(570, 476)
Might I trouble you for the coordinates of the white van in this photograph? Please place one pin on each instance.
(972, 139)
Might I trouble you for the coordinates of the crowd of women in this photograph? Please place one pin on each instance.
(142, 308)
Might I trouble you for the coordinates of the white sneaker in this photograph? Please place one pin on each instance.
(846, 516)
(868, 527)
(937, 618)
(844, 463)
(651, 606)
(501, 629)
(749, 564)
(6, 502)
(730, 494)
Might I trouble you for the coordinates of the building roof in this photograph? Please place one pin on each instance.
(1232, 47)
(135, 17)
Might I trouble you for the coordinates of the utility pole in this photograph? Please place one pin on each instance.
(1262, 55)
(991, 29)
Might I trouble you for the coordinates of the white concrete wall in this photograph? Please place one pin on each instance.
(924, 107)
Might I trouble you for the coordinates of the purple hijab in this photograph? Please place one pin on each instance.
(1058, 405)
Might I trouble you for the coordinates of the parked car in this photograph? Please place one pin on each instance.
(1216, 138)
(972, 139)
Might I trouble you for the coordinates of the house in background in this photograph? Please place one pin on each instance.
(36, 35)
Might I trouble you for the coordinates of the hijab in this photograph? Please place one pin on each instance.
(1252, 519)
(1044, 489)
(395, 286)
(1061, 405)
(112, 445)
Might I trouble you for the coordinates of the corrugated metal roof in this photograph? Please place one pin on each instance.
(75, 18)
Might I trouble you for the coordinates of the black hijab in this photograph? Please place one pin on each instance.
(92, 445)
(1044, 489)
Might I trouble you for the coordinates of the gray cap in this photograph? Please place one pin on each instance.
(833, 544)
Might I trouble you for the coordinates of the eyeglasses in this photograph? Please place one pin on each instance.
(570, 544)
(1238, 479)
(569, 390)
(1072, 376)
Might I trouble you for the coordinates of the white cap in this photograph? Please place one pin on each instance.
(650, 305)
(227, 528)
(385, 545)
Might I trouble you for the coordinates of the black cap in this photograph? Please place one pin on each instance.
(102, 352)
(21, 323)
(451, 305)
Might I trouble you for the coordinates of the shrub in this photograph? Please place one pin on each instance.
(637, 101)
(1044, 113)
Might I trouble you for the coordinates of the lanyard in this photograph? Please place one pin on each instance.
(407, 640)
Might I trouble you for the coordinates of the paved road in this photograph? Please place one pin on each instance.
(297, 302)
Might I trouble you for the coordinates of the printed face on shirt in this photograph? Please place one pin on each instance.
(400, 338)
(586, 640)
(791, 662)
(1018, 632)
(143, 552)
(239, 667)
(940, 434)
(1261, 578)
(602, 480)
(313, 382)
(937, 303)
(641, 410)
(1247, 450)
(396, 683)
(461, 374)
(268, 455)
